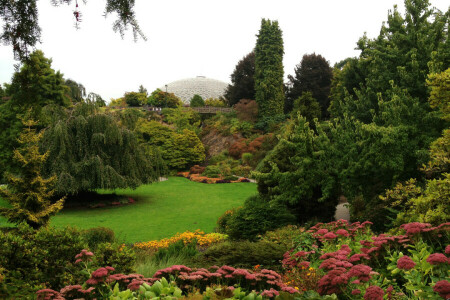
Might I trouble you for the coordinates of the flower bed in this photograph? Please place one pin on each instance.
(204, 179)
(337, 260)
(202, 240)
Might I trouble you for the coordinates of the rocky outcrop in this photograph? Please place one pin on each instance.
(215, 142)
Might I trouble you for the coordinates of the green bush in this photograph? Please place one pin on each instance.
(98, 235)
(32, 258)
(244, 254)
(197, 101)
(243, 171)
(212, 171)
(118, 256)
(231, 178)
(179, 150)
(256, 217)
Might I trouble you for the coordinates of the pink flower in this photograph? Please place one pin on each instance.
(270, 293)
(415, 227)
(342, 232)
(356, 292)
(360, 271)
(405, 263)
(330, 236)
(374, 293)
(45, 294)
(437, 258)
(322, 231)
(358, 257)
(447, 250)
(442, 288)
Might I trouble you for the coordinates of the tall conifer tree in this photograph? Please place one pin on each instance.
(269, 69)
(28, 192)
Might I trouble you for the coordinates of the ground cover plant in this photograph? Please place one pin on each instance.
(161, 209)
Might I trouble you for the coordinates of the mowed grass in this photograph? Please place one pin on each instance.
(162, 209)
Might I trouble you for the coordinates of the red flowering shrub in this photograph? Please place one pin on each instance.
(84, 256)
(437, 258)
(442, 287)
(416, 227)
(374, 293)
(333, 282)
(356, 292)
(47, 294)
(75, 292)
(405, 263)
(99, 275)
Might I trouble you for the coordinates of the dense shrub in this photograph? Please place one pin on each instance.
(178, 149)
(31, 258)
(212, 171)
(240, 170)
(244, 254)
(135, 99)
(238, 148)
(255, 217)
(118, 256)
(197, 101)
(196, 170)
(215, 102)
(159, 98)
(247, 110)
(98, 235)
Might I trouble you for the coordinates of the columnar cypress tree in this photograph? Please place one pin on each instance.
(28, 193)
(269, 69)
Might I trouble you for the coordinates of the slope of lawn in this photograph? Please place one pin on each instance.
(162, 209)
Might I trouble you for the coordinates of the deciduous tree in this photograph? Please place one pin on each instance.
(242, 80)
(313, 74)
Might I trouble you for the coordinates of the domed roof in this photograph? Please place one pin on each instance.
(185, 89)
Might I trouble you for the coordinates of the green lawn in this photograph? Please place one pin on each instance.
(162, 209)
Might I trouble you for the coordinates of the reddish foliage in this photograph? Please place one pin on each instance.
(247, 110)
(238, 148)
(196, 170)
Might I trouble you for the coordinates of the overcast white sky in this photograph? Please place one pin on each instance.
(196, 37)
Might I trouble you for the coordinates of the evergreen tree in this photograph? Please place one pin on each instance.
(313, 74)
(300, 174)
(269, 88)
(308, 107)
(28, 192)
(34, 86)
(242, 81)
(197, 101)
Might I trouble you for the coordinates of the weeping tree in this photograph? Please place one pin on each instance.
(89, 150)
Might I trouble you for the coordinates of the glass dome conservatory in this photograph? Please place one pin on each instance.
(185, 89)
